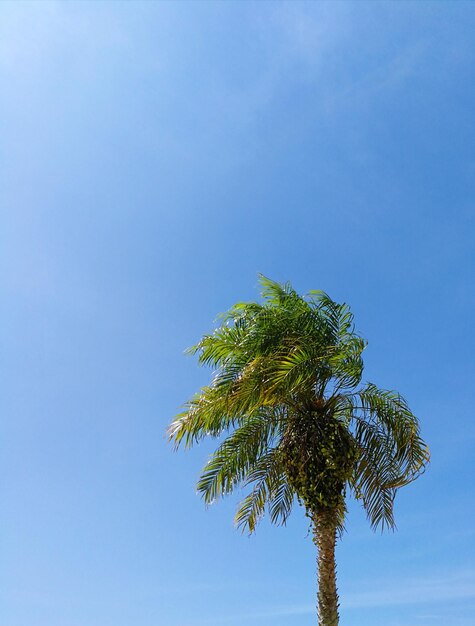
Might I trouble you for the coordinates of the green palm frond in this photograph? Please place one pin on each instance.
(270, 488)
(391, 452)
(231, 463)
(206, 414)
(281, 500)
(391, 412)
(375, 474)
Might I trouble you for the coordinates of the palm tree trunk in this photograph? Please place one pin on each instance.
(325, 540)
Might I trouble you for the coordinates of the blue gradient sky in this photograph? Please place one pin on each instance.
(154, 159)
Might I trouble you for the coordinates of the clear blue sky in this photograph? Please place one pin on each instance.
(154, 158)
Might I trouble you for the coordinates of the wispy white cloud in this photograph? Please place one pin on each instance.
(422, 590)
(346, 53)
(458, 586)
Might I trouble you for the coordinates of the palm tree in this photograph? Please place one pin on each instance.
(294, 422)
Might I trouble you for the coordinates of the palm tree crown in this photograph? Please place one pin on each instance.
(293, 419)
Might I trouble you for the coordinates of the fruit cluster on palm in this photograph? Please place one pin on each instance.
(296, 424)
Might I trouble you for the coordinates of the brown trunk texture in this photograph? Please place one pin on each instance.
(325, 539)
